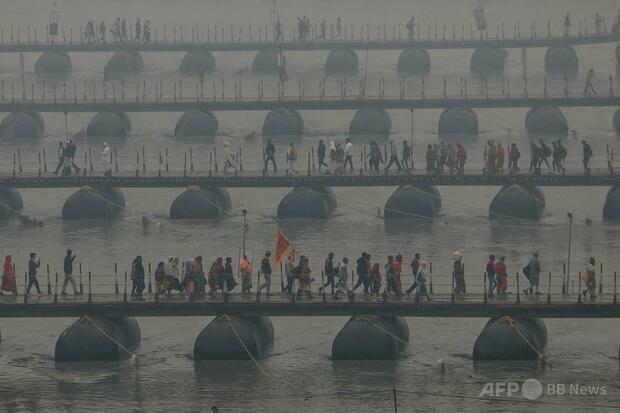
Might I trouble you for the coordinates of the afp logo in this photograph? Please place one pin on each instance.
(531, 389)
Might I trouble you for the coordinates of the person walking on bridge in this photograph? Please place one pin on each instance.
(245, 268)
(68, 269)
(589, 277)
(534, 157)
(265, 268)
(589, 88)
(228, 277)
(411, 28)
(124, 36)
(501, 153)
(61, 157)
(491, 155)
(102, 31)
(544, 154)
(415, 266)
(138, 278)
(304, 280)
(69, 153)
(321, 154)
(458, 273)
(491, 276)
(9, 282)
(513, 158)
(443, 156)
(567, 25)
(214, 276)
(406, 159)
(375, 278)
(270, 151)
(138, 33)
(393, 157)
(461, 158)
(146, 31)
(374, 156)
(348, 154)
(451, 157)
(598, 24)
(343, 279)
(532, 271)
(398, 271)
(106, 157)
(502, 275)
(279, 35)
(562, 155)
(587, 155)
(289, 271)
(422, 291)
(33, 264)
(329, 272)
(291, 158)
(615, 29)
(339, 28)
(362, 274)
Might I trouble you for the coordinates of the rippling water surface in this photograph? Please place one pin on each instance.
(301, 375)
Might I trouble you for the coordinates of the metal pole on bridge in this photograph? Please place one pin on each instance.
(56, 290)
(411, 150)
(245, 229)
(570, 241)
(49, 286)
(125, 291)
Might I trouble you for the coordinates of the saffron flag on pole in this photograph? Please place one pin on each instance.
(283, 247)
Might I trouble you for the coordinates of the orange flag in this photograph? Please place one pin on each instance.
(283, 247)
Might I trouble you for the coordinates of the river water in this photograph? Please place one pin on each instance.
(301, 374)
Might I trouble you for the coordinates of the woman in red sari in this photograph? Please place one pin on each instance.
(9, 282)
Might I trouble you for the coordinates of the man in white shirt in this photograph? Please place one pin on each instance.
(348, 154)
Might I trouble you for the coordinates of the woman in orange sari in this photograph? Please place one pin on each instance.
(9, 282)
(304, 280)
(398, 269)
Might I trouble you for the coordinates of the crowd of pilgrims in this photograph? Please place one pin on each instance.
(190, 278)
(97, 33)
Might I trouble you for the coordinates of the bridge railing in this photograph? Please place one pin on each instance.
(331, 33)
(165, 162)
(153, 91)
(116, 286)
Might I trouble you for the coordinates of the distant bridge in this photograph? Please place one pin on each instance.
(384, 42)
